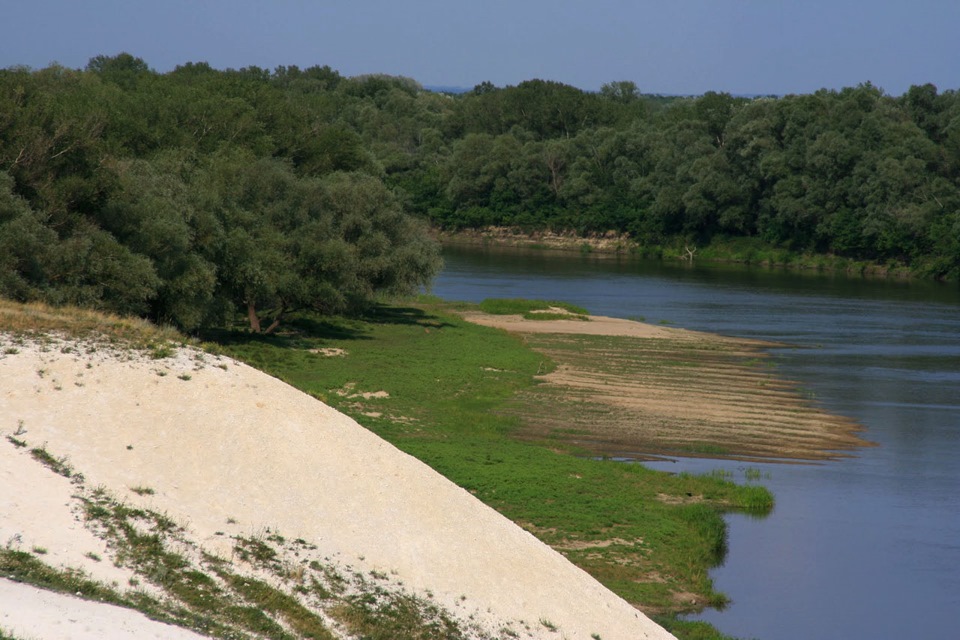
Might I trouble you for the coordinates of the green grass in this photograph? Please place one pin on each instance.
(690, 630)
(58, 465)
(754, 251)
(268, 599)
(449, 382)
(548, 625)
(381, 615)
(22, 566)
(142, 491)
(706, 449)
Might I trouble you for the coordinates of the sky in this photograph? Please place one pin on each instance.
(675, 47)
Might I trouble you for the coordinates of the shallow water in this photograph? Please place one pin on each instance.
(865, 547)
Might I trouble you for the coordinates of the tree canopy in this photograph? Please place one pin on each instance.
(194, 195)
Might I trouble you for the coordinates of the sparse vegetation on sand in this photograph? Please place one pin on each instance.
(271, 588)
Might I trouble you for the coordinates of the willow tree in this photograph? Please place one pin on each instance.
(328, 244)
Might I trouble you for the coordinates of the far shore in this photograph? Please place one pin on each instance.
(613, 244)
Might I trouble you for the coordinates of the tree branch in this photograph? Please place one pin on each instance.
(276, 320)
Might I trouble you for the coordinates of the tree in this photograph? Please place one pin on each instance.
(715, 110)
(88, 267)
(622, 91)
(388, 251)
(329, 244)
(26, 247)
(484, 87)
(123, 69)
(152, 214)
(473, 169)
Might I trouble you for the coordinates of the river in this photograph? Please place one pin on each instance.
(863, 547)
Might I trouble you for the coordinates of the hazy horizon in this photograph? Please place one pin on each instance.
(681, 48)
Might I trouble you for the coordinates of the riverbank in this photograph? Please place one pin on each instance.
(746, 251)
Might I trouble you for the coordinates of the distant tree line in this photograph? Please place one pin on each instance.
(852, 173)
(195, 195)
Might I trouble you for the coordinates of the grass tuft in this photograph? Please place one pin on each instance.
(57, 465)
(549, 626)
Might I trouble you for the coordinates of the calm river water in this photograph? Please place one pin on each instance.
(865, 547)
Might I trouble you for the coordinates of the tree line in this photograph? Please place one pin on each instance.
(852, 173)
(199, 194)
(196, 196)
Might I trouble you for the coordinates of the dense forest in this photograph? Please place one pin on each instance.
(198, 194)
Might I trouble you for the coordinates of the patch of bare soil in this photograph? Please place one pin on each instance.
(330, 352)
(349, 391)
(624, 388)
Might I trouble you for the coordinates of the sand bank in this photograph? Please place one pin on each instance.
(625, 388)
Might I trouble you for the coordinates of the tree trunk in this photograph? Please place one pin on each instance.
(252, 316)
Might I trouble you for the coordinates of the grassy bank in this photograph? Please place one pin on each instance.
(437, 387)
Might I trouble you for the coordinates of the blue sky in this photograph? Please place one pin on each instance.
(667, 46)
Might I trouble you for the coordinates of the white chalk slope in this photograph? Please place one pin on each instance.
(234, 450)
